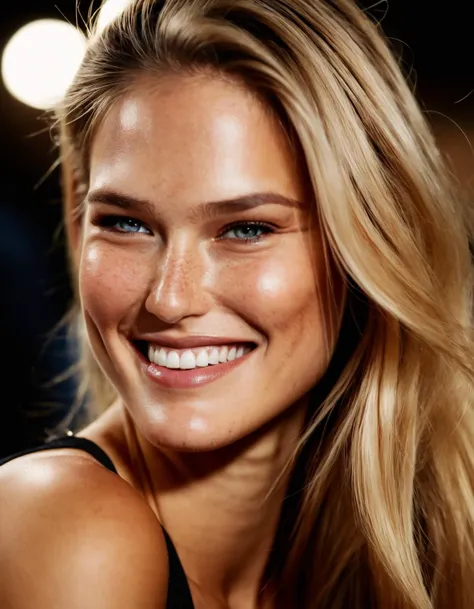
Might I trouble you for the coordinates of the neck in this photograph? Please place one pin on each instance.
(221, 508)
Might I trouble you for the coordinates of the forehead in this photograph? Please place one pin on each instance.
(183, 136)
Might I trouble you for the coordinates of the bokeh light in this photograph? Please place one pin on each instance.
(40, 61)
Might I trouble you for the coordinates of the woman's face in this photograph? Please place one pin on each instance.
(199, 270)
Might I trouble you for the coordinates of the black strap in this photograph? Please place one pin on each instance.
(69, 442)
(88, 446)
(179, 594)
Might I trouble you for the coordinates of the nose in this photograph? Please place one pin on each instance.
(178, 290)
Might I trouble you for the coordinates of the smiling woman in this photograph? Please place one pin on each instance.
(206, 260)
(273, 288)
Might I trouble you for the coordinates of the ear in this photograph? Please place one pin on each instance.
(71, 206)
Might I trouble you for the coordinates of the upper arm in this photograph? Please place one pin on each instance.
(79, 541)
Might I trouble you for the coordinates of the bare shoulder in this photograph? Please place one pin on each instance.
(73, 534)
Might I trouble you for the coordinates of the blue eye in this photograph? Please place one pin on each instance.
(122, 224)
(247, 231)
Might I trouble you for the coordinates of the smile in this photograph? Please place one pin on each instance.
(190, 359)
(187, 368)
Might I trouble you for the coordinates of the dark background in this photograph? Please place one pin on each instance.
(435, 42)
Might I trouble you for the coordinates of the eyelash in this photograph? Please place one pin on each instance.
(265, 227)
(110, 222)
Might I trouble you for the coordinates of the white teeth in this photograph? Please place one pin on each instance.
(162, 358)
(187, 361)
(172, 360)
(151, 353)
(202, 360)
(214, 357)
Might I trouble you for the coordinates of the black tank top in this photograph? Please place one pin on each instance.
(179, 594)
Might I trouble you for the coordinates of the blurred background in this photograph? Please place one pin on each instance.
(435, 44)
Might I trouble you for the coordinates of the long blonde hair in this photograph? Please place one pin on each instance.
(384, 515)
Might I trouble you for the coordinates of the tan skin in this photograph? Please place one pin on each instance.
(174, 263)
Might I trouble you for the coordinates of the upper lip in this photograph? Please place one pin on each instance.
(191, 342)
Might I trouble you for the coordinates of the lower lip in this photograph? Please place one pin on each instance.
(187, 379)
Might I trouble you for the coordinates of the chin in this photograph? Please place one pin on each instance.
(187, 428)
(188, 440)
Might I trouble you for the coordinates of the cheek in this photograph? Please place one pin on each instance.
(279, 294)
(109, 284)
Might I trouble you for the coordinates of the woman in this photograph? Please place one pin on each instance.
(274, 297)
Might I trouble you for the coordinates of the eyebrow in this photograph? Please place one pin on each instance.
(203, 210)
